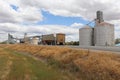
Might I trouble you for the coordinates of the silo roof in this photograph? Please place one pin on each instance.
(104, 23)
(86, 27)
(60, 34)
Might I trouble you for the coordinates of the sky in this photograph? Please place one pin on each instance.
(39, 17)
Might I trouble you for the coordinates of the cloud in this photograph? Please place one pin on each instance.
(24, 14)
(29, 12)
(81, 8)
(6, 13)
(77, 25)
(71, 8)
(19, 30)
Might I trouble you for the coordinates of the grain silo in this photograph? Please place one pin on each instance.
(101, 35)
(86, 36)
(104, 34)
(35, 40)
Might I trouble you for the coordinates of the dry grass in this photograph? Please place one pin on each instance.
(87, 66)
(18, 66)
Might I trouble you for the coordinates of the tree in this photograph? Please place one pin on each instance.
(72, 43)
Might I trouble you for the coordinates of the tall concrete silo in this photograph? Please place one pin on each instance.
(86, 36)
(11, 39)
(104, 34)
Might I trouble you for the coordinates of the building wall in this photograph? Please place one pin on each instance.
(86, 36)
(48, 37)
(60, 39)
(27, 40)
(104, 34)
(11, 39)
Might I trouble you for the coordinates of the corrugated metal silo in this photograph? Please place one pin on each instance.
(104, 34)
(85, 36)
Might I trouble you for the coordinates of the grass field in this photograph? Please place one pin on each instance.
(15, 66)
(81, 64)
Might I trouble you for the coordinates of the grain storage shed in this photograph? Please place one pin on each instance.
(60, 39)
(48, 39)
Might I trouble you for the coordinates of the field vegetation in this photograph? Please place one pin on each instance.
(16, 66)
(83, 64)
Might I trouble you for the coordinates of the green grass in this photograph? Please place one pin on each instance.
(3, 62)
(23, 67)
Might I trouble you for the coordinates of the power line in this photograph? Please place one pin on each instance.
(90, 22)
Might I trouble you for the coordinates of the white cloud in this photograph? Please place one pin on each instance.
(82, 8)
(30, 14)
(19, 30)
(25, 14)
(6, 13)
(77, 25)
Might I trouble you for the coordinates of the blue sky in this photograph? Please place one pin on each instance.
(50, 19)
(14, 7)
